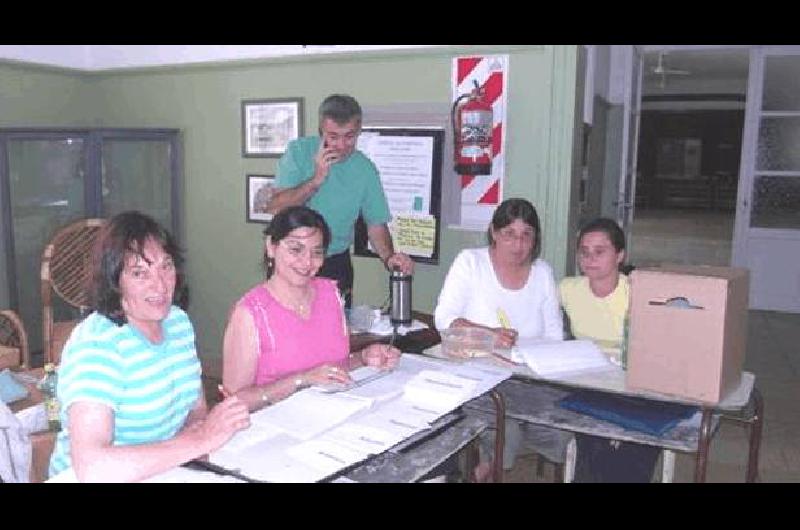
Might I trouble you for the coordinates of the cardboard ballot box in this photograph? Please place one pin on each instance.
(688, 330)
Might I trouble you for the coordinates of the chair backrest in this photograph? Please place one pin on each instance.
(13, 341)
(66, 271)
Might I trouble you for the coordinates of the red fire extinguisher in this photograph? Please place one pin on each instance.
(472, 127)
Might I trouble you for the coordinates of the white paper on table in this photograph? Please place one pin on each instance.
(384, 388)
(363, 438)
(556, 358)
(175, 475)
(325, 456)
(486, 377)
(437, 390)
(182, 475)
(309, 412)
(403, 416)
(268, 461)
(394, 419)
(383, 326)
(254, 434)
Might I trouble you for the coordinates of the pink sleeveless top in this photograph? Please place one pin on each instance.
(288, 343)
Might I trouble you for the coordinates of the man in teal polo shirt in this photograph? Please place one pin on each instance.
(328, 174)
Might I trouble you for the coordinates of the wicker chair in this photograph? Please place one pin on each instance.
(13, 341)
(66, 271)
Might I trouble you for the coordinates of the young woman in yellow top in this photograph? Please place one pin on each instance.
(596, 304)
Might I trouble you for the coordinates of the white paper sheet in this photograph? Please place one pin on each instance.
(383, 326)
(268, 460)
(182, 475)
(363, 438)
(556, 358)
(325, 456)
(438, 390)
(308, 413)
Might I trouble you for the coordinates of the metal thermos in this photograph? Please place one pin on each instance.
(400, 288)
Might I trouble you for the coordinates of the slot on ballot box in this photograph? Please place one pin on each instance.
(688, 330)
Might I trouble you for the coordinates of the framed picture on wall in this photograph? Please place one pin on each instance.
(259, 190)
(268, 125)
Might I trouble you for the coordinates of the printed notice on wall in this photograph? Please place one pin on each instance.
(409, 161)
(405, 166)
(414, 235)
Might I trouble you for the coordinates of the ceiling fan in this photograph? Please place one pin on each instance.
(661, 69)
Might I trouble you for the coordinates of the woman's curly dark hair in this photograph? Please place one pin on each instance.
(124, 234)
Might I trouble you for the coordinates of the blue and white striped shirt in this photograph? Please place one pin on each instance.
(150, 388)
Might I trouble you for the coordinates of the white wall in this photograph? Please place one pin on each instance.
(107, 56)
(67, 56)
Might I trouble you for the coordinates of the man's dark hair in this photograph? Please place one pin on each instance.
(340, 108)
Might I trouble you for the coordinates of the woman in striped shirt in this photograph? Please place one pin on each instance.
(129, 382)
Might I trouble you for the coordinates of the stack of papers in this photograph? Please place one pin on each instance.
(559, 358)
(439, 391)
(316, 433)
(308, 413)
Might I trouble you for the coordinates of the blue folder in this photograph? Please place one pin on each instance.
(651, 417)
(10, 389)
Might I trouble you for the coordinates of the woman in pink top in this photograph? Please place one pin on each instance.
(289, 331)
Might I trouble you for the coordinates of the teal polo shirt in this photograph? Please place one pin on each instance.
(352, 187)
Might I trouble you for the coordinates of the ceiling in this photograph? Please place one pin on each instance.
(715, 70)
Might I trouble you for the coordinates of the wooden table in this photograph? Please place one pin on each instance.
(411, 342)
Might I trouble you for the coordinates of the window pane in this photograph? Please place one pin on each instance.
(776, 202)
(137, 176)
(782, 83)
(46, 185)
(779, 144)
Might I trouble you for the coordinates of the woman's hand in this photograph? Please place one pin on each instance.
(326, 374)
(504, 337)
(380, 356)
(222, 422)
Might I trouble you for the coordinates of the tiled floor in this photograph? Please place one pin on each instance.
(773, 355)
(685, 236)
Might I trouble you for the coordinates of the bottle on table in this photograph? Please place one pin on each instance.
(623, 351)
(48, 388)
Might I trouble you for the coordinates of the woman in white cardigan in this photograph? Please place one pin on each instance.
(507, 289)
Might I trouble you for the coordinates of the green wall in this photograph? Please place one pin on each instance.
(32, 96)
(223, 251)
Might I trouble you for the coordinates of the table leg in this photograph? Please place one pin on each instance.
(469, 458)
(667, 466)
(755, 436)
(500, 435)
(703, 446)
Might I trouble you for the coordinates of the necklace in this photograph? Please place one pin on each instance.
(299, 304)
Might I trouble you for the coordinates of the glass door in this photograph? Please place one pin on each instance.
(630, 138)
(767, 233)
(46, 191)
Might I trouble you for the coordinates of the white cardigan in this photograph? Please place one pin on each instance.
(471, 290)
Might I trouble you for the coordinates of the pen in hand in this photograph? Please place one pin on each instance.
(224, 392)
(502, 318)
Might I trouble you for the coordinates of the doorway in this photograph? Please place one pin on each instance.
(689, 150)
